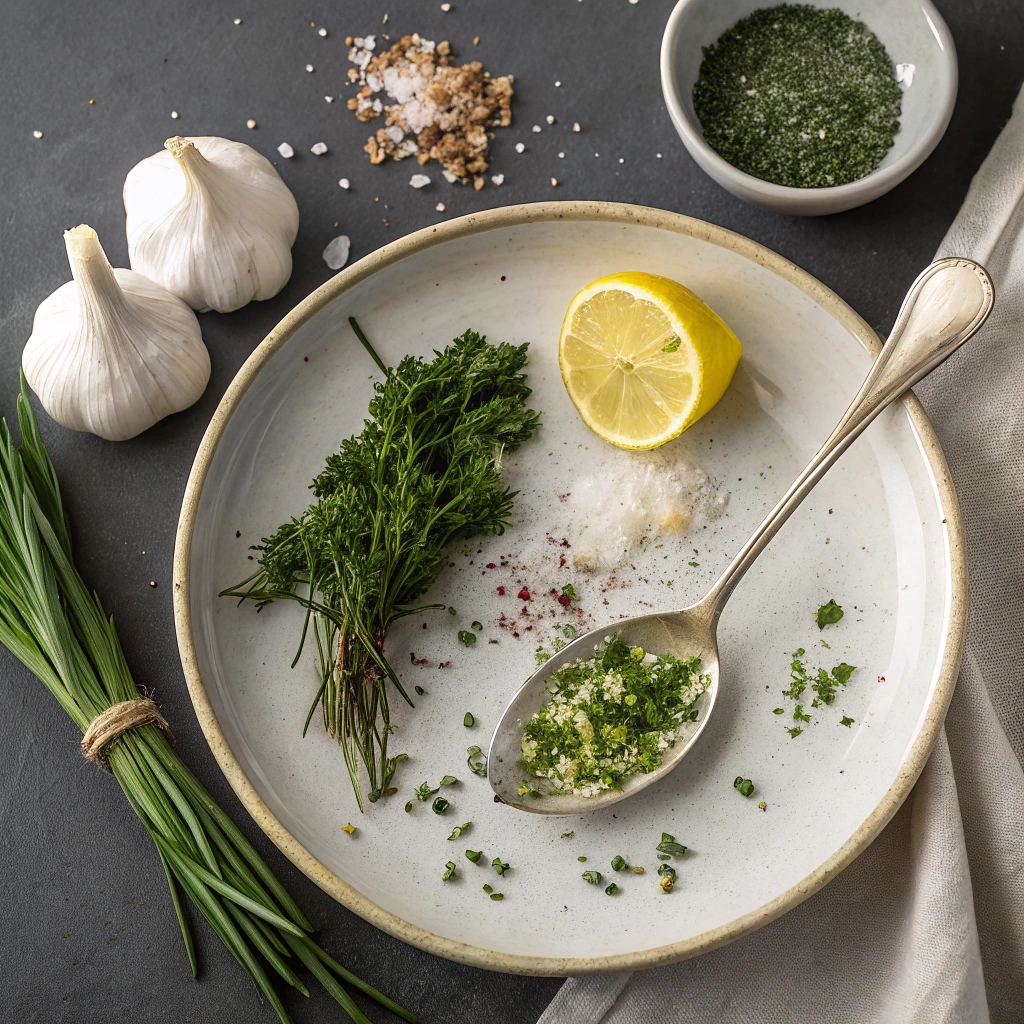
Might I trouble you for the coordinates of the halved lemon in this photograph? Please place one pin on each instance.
(643, 358)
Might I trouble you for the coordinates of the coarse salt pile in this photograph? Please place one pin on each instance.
(433, 109)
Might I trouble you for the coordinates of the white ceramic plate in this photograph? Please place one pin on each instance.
(881, 535)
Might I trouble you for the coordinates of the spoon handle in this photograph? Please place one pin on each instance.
(947, 303)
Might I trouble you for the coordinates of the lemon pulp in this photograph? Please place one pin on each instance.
(643, 358)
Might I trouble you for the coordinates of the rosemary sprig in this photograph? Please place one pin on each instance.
(424, 471)
(59, 631)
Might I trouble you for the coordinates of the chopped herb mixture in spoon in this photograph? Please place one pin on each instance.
(611, 717)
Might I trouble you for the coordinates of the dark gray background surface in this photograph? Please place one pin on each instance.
(88, 933)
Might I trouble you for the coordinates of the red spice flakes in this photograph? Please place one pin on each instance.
(492, 641)
(564, 600)
(491, 565)
(561, 561)
(516, 635)
(500, 591)
(565, 497)
(443, 664)
(565, 544)
(524, 595)
(424, 626)
(422, 661)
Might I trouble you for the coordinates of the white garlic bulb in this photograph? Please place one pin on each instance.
(212, 221)
(111, 352)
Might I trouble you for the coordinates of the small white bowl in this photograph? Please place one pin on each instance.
(912, 32)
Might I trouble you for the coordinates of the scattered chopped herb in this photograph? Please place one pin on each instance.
(567, 835)
(763, 109)
(468, 720)
(419, 690)
(745, 786)
(669, 845)
(497, 896)
(487, 889)
(673, 344)
(637, 870)
(526, 789)
(694, 565)
(593, 877)
(763, 806)
(665, 883)
(408, 807)
(798, 714)
(477, 762)
(391, 791)
(474, 855)
(452, 611)
(569, 591)
(449, 871)
(779, 711)
(610, 717)
(467, 638)
(667, 871)
(458, 830)
(612, 889)
(619, 863)
(373, 541)
(449, 780)
(570, 632)
(664, 856)
(847, 721)
(350, 829)
(582, 860)
(478, 626)
(440, 805)
(540, 656)
(795, 731)
(499, 866)
(425, 792)
(828, 614)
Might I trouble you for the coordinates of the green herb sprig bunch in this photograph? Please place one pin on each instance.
(424, 471)
(58, 629)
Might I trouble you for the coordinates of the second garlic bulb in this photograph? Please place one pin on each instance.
(212, 221)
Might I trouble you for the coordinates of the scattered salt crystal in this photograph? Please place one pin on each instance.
(550, 119)
(821, 133)
(318, 148)
(446, 8)
(309, 67)
(520, 148)
(385, 21)
(174, 115)
(561, 156)
(449, 177)
(554, 182)
(330, 99)
(37, 134)
(395, 134)
(322, 32)
(419, 180)
(622, 160)
(336, 253)
(905, 73)
(658, 155)
(238, 21)
(537, 128)
(286, 151)
(344, 182)
(634, 1)
(576, 126)
(498, 179)
(250, 123)
(439, 207)
(558, 85)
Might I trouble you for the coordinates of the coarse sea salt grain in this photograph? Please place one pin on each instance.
(344, 183)
(336, 253)
(330, 99)
(174, 115)
(318, 148)
(439, 207)
(238, 21)
(309, 67)
(498, 179)
(419, 180)
(520, 148)
(537, 128)
(561, 156)
(446, 7)
(37, 134)
(250, 123)
(449, 177)
(554, 182)
(322, 32)
(550, 119)
(576, 126)
(286, 151)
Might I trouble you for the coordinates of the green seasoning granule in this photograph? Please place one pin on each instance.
(610, 717)
(476, 761)
(593, 877)
(449, 871)
(439, 806)
(459, 829)
(477, 626)
(408, 807)
(828, 614)
(800, 96)
(474, 855)
(420, 690)
(568, 835)
(425, 792)
(449, 780)
(847, 721)
(498, 866)
(488, 889)
(468, 720)
(745, 786)
(619, 863)
(612, 889)
(467, 638)
(668, 844)
(497, 896)
(667, 871)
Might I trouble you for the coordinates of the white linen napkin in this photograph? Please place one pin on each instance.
(927, 925)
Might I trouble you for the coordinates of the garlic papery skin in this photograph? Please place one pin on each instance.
(212, 221)
(110, 351)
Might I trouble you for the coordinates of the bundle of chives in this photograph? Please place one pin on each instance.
(59, 631)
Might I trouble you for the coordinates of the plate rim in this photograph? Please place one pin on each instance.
(914, 758)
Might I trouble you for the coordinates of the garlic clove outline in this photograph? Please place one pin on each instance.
(111, 352)
(211, 220)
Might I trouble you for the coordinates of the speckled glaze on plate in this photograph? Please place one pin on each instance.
(881, 535)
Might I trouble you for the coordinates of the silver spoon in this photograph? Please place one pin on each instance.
(947, 303)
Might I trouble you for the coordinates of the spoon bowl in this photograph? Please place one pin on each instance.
(945, 306)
